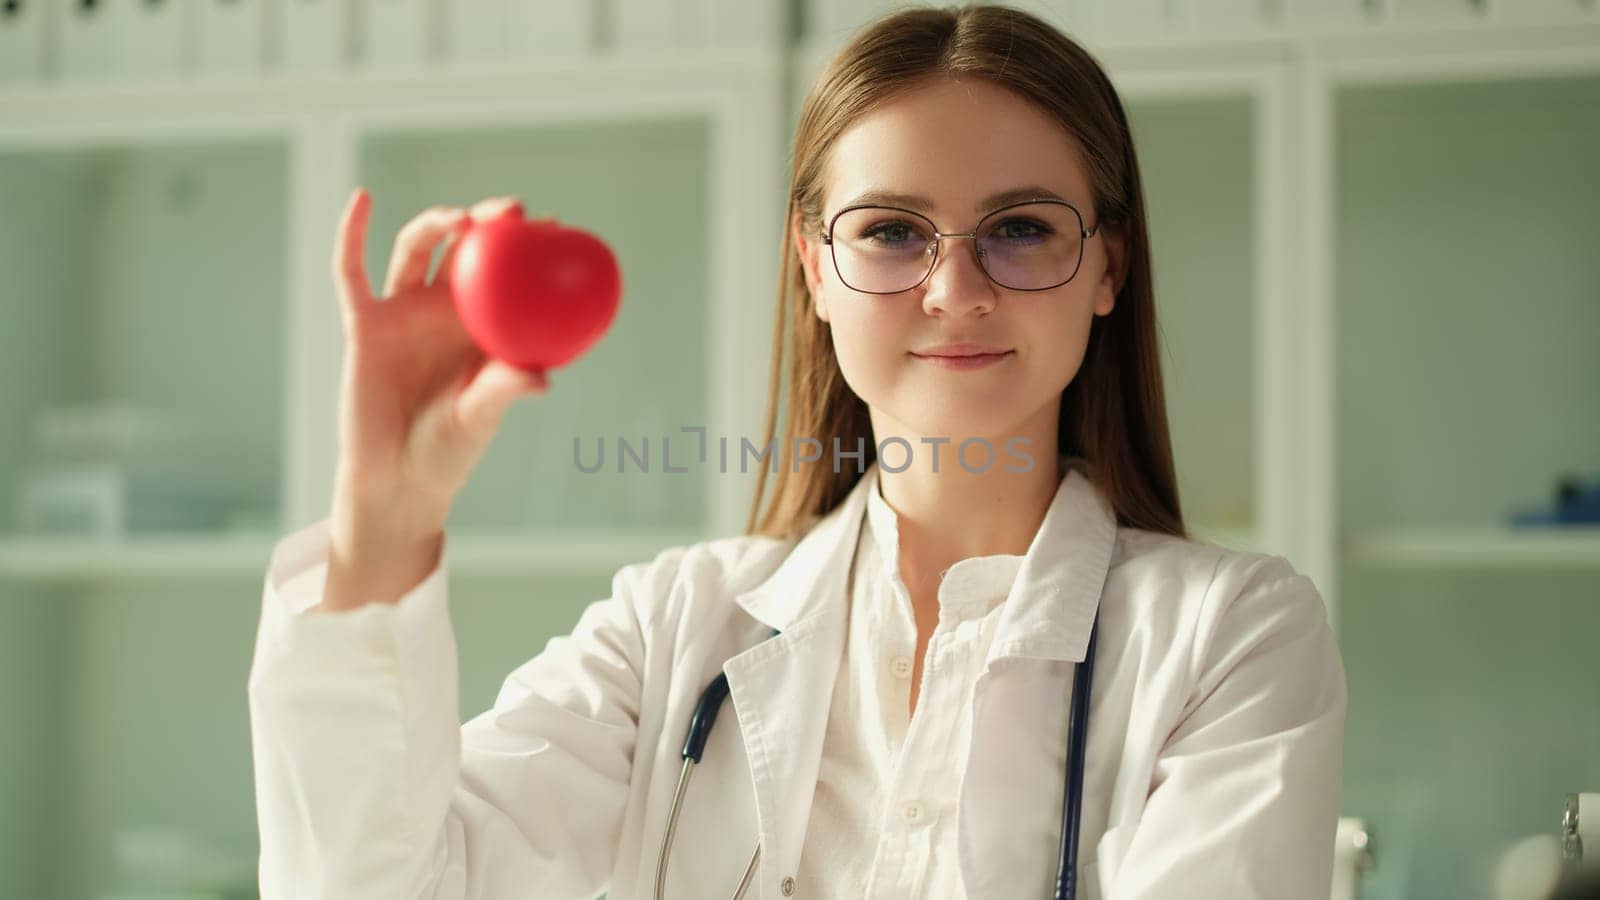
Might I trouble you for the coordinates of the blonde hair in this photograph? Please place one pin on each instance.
(1113, 414)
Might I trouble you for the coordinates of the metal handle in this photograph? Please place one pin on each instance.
(1571, 842)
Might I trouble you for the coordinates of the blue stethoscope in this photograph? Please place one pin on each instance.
(705, 713)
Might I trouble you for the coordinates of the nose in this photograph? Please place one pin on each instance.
(957, 285)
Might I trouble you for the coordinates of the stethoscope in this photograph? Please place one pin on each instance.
(705, 713)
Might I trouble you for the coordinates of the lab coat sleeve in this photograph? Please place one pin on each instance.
(367, 783)
(1244, 798)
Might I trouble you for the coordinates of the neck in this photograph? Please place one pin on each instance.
(959, 511)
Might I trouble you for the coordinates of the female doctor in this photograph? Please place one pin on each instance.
(967, 280)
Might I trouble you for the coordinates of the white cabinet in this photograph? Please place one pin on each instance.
(143, 281)
(1466, 313)
(168, 265)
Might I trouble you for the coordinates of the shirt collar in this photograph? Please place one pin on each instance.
(1047, 613)
(967, 590)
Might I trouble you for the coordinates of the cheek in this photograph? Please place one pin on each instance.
(868, 339)
(1056, 333)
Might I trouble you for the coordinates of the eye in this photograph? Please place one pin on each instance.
(1021, 229)
(893, 233)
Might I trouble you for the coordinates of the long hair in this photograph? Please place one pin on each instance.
(1113, 413)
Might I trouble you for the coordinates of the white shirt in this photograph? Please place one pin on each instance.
(883, 821)
(1212, 767)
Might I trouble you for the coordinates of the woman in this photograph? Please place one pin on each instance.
(967, 290)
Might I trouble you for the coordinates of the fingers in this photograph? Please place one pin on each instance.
(414, 246)
(494, 206)
(452, 243)
(483, 403)
(481, 211)
(349, 267)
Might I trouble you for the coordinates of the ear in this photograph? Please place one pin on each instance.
(1116, 272)
(810, 250)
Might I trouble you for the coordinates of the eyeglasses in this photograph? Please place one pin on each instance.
(1035, 245)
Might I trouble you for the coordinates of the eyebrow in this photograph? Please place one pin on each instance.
(878, 197)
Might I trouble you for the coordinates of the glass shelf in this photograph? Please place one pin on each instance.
(1197, 156)
(644, 187)
(79, 559)
(1491, 547)
(553, 552)
(145, 287)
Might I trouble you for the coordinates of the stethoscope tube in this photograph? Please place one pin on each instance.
(694, 747)
(1066, 884)
(1077, 746)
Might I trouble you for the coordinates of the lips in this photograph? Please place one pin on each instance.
(964, 361)
(965, 348)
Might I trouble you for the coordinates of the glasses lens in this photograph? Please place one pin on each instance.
(1031, 247)
(1027, 248)
(881, 250)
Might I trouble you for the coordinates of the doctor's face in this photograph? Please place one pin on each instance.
(950, 150)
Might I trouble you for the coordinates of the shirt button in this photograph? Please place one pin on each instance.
(912, 813)
(787, 885)
(901, 666)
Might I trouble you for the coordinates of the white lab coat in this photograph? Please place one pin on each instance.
(1213, 759)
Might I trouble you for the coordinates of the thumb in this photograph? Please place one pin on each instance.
(484, 402)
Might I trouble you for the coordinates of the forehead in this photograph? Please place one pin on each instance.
(953, 144)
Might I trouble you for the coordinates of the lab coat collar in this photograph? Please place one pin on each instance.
(1052, 604)
(790, 595)
(1046, 615)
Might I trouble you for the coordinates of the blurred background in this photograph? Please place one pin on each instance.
(1375, 228)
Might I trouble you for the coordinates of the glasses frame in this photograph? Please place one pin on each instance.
(939, 236)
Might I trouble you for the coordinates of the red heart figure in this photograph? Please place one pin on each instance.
(535, 294)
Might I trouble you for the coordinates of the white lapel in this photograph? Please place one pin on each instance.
(782, 688)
